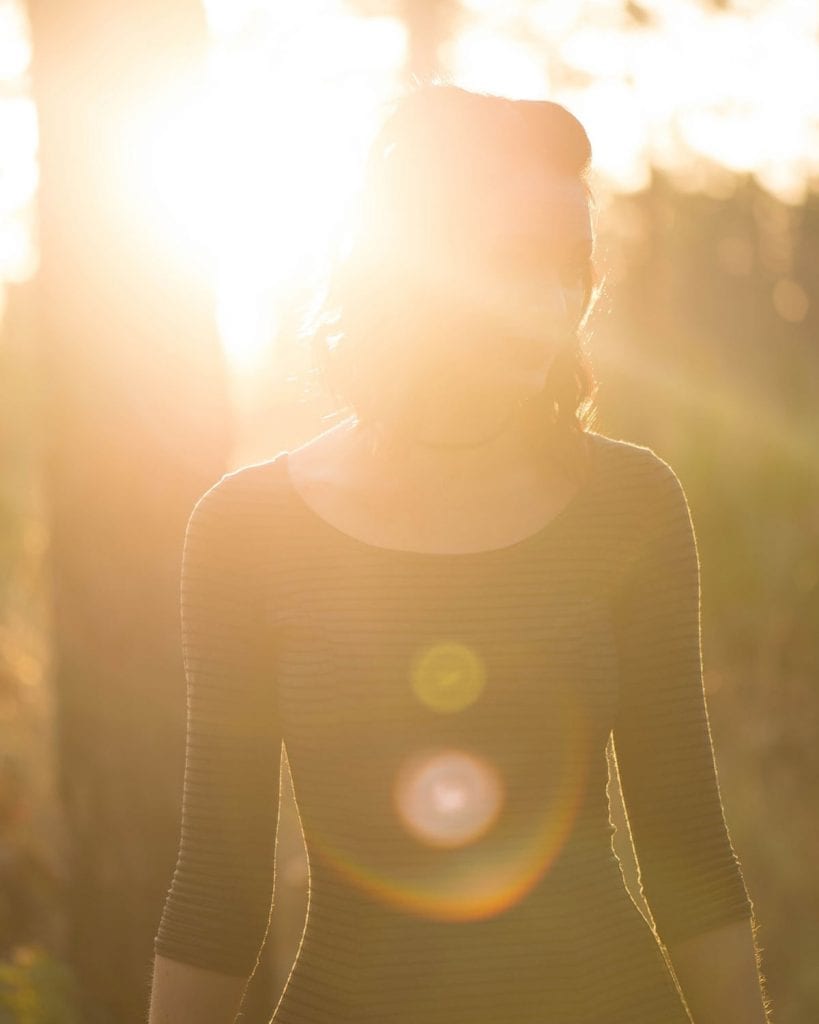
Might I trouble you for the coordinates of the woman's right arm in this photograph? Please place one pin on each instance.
(217, 909)
(184, 994)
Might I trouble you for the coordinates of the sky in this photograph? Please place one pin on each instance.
(701, 89)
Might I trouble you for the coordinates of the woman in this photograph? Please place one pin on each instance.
(444, 606)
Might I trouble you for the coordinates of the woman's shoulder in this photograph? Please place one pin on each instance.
(634, 478)
(243, 489)
(631, 462)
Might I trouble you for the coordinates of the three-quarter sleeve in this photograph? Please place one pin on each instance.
(689, 873)
(217, 909)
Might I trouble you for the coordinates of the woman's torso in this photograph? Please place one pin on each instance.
(445, 718)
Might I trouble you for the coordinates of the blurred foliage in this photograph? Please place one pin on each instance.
(32, 984)
(36, 988)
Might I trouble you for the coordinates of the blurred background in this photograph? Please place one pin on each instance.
(171, 177)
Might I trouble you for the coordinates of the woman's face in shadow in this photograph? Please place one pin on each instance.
(517, 280)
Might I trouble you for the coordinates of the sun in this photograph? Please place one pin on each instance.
(256, 164)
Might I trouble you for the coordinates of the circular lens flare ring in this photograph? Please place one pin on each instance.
(476, 880)
(449, 798)
(448, 677)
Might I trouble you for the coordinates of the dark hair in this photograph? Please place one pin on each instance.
(429, 160)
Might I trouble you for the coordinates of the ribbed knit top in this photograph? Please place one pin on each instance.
(445, 719)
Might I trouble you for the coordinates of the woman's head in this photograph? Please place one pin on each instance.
(468, 270)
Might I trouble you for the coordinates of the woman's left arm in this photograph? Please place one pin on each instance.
(689, 874)
(719, 975)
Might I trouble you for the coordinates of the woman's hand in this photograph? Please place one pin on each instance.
(719, 977)
(183, 994)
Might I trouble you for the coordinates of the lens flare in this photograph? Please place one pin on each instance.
(470, 852)
(449, 798)
(448, 677)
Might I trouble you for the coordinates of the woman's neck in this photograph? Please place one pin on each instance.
(483, 460)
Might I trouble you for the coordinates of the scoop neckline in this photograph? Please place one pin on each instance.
(530, 540)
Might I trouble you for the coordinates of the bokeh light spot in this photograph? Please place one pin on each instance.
(449, 798)
(448, 677)
(790, 300)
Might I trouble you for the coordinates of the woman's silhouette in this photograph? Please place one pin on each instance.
(444, 606)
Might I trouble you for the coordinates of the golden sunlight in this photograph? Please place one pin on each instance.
(294, 110)
(254, 167)
(18, 154)
(737, 89)
(630, 82)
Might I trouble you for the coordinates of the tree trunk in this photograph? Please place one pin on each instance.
(136, 426)
(430, 24)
